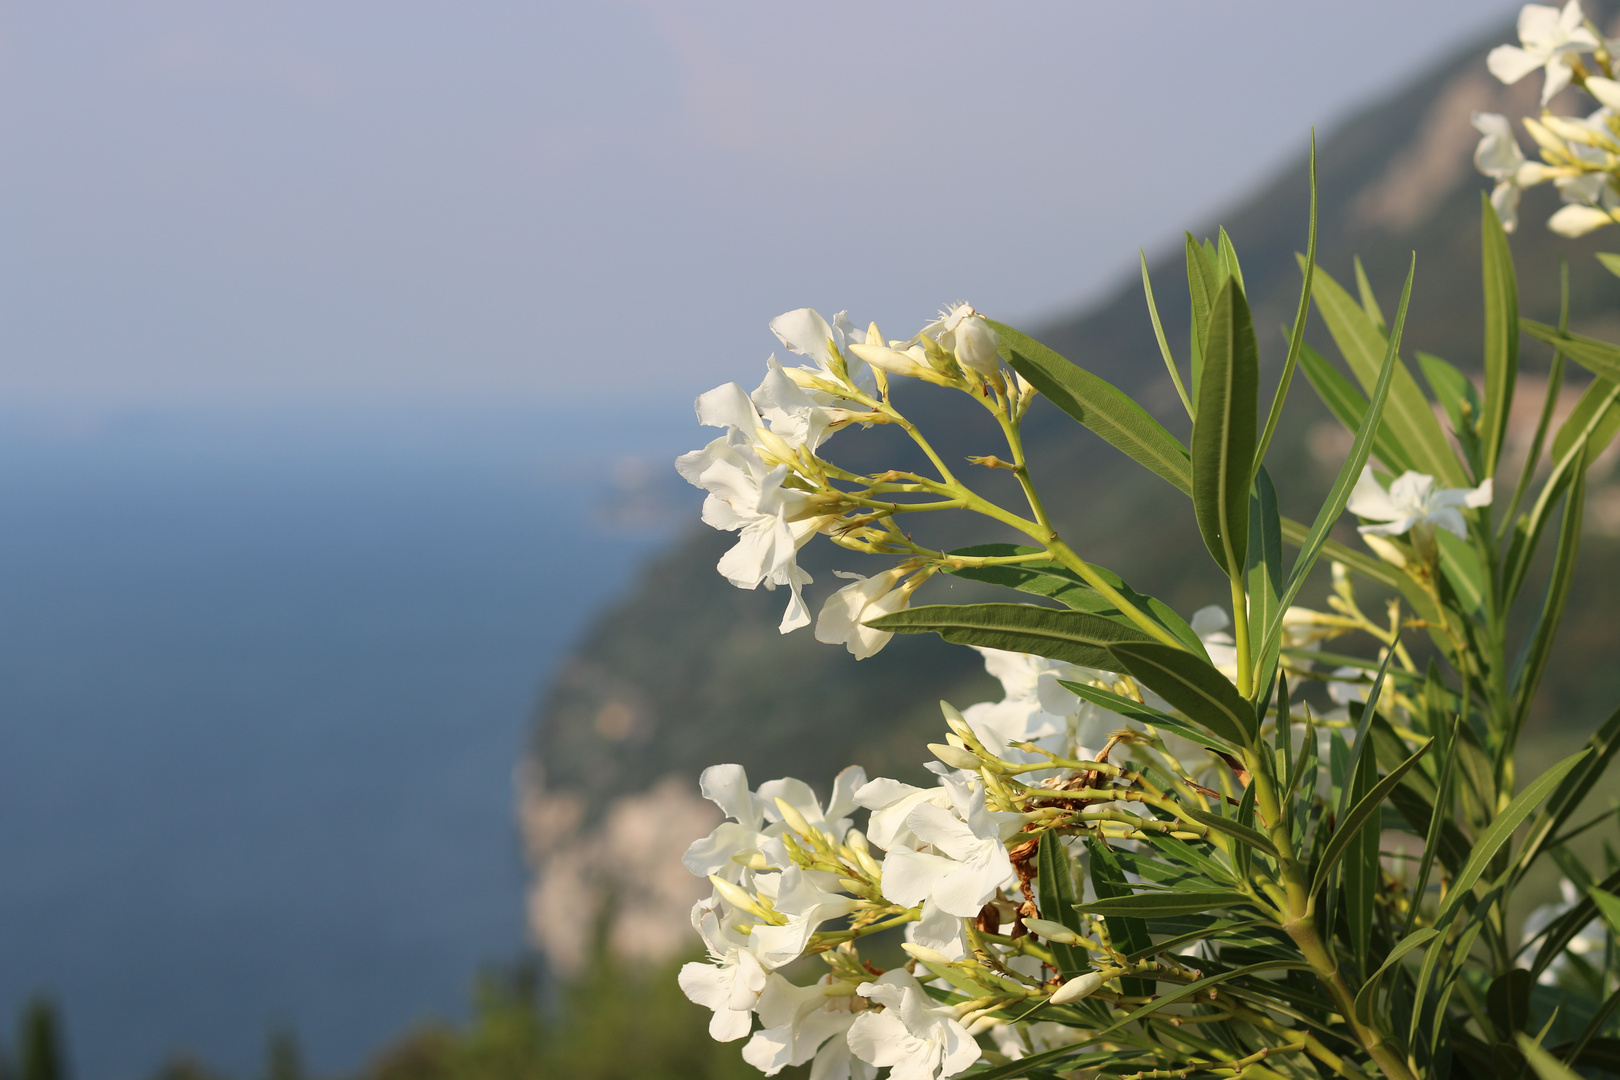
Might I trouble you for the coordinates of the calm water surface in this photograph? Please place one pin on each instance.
(263, 680)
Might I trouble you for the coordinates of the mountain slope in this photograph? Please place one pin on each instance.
(688, 671)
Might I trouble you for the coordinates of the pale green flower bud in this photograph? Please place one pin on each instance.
(924, 954)
(792, 818)
(1051, 931)
(1077, 988)
(955, 756)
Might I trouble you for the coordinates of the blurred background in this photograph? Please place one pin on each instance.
(348, 601)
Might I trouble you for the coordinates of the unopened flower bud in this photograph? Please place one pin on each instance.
(1080, 987)
(1052, 931)
(1607, 91)
(955, 757)
(792, 818)
(736, 896)
(954, 720)
(924, 953)
(976, 346)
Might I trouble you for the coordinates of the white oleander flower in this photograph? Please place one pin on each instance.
(845, 614)
(897, 357)
(748, 842)
(806, 904)
(746, 495)
(1499, 157)
(962, 331)
(1036, 708)
(891, 803)
(802, 1023)
(805, 332)
(731, 987)
(917, 1037)
(1414, 499)
(1548, 39)
(968, 864)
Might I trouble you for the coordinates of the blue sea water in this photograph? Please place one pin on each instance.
(264, 677)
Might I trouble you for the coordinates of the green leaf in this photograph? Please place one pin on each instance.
(1296, 533)
(1098, 405)
(1170, 997)
(1369, 302)
(1610, 262)
(1501, 333)
(1227, 258)
(1350, 405)
(1364, 996)
(1265, 570)
(1363, 811)
(1598, 357)
(1045, 578)
(1199, 691)
(1463, 570)
(1546, 1066)
(1507, 1002)
(1527, 536)
(1223, 436)
(1311, 547)
(1603, 744)
(1108, 882)
(1597, 404)
(1500, 832)
(1608, 906)
(1201, 288)
(1054, 885)
(1409, 414)
(1145, 714)
(1238, 831)
(1158, 333)
(1539, 647)
(1076, 637)
(1158, 905)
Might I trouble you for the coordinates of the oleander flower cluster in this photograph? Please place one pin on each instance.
(1174, 845)
(798, 885)
(1579, 153)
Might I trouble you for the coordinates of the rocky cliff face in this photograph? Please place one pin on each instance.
(688, 671)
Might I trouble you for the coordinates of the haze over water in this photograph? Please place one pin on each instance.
(263, 682)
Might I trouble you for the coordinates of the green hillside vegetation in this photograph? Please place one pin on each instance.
(701, 666)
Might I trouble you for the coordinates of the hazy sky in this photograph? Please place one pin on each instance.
(217, 202)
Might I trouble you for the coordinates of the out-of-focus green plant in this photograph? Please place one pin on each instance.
(613, 1022)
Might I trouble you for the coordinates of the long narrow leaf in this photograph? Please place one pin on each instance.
(1223, 435)
(1359, 814)
(1604, 743)
(1042, 577)
(1364, 996)
(1145, 714)
(1350, 405)
(1076, 637)
(1539, 647)
(1158, 333)
(1501, 332)
(1055, 891)
(1202, 693)
(1598, 357)
(1500, 832)
(1098, 405)
(1311, 547)
(1409, 414)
